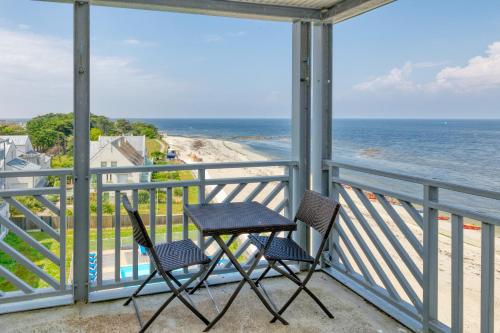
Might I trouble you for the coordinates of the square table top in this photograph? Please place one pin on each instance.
(237, 218)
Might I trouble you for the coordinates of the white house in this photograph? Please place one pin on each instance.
(22, 142)
(9, 161)
(120, 151)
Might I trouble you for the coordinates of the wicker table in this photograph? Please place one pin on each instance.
(235, 219)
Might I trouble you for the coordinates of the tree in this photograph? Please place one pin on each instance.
(104, 124)
(150, 131)
(12, 129)
(123, 126)
(50, 130)
(157, 156)
(95, 133)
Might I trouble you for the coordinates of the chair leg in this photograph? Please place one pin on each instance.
(176, 293)
(268, 268)
(287, 304)
(307, 290)
(302, 286)
(127, 302)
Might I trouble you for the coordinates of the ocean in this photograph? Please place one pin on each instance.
(459, 151)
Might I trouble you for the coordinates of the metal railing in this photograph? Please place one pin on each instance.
(120, 264)
(384, 249)
(48, 245)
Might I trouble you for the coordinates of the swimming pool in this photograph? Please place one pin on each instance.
(143, 269)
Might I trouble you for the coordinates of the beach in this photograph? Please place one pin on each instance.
(192, 150)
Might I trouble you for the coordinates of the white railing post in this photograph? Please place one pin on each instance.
(430, 285)
(301, 116)
(81, 149)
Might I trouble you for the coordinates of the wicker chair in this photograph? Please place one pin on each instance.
(319, 213)
(166, 257)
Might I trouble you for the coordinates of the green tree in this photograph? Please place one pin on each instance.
(149, 130)
(157, 156)
(95, 133)
(104, 124)
(123, 126)
(12, 129)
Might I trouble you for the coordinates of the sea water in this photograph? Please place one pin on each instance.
(465, 152)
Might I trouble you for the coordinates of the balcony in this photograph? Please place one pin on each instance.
(404, 254)
(382, 249)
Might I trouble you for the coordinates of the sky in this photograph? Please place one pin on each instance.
(409, 59)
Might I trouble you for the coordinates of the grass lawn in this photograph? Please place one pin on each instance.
(49, 267)
(153, 145)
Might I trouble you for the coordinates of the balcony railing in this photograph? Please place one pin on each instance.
(386, 245)
(119, 263)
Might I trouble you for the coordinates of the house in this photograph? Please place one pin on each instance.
(10, 161)
(22, 142)
(120, 151)
(24, 150)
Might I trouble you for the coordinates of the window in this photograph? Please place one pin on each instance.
(104, 164)
(114, 164)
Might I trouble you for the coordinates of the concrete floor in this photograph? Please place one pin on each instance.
(247, 314)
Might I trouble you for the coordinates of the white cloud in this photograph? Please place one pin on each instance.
(396, 79)
(209, 39)
(36, 76)
(481, 73)
(137, 42)
(131, 41)
(237, 34)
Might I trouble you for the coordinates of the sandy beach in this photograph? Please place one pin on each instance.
(196, 150)
(211, 150)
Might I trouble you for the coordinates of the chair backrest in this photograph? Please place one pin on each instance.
(140, 234)
(318, 212)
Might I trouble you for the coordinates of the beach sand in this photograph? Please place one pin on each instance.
(211, 150)
(196, 150)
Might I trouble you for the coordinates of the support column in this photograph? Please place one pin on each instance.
(321, 116)
(301, 117)
(81, 172)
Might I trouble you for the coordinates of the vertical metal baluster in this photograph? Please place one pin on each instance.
(334, 236)
(201, 200)
(457, 276)
(169, 216)
(487, 277)
(135, 258)
(62, 231)
(117, 237)
(430, 287)
(99, 228)
(152, 220)
(289, 193)
(185, 224)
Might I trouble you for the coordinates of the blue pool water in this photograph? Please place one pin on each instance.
(143, 269)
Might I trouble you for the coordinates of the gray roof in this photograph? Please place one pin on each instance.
(19, 140)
